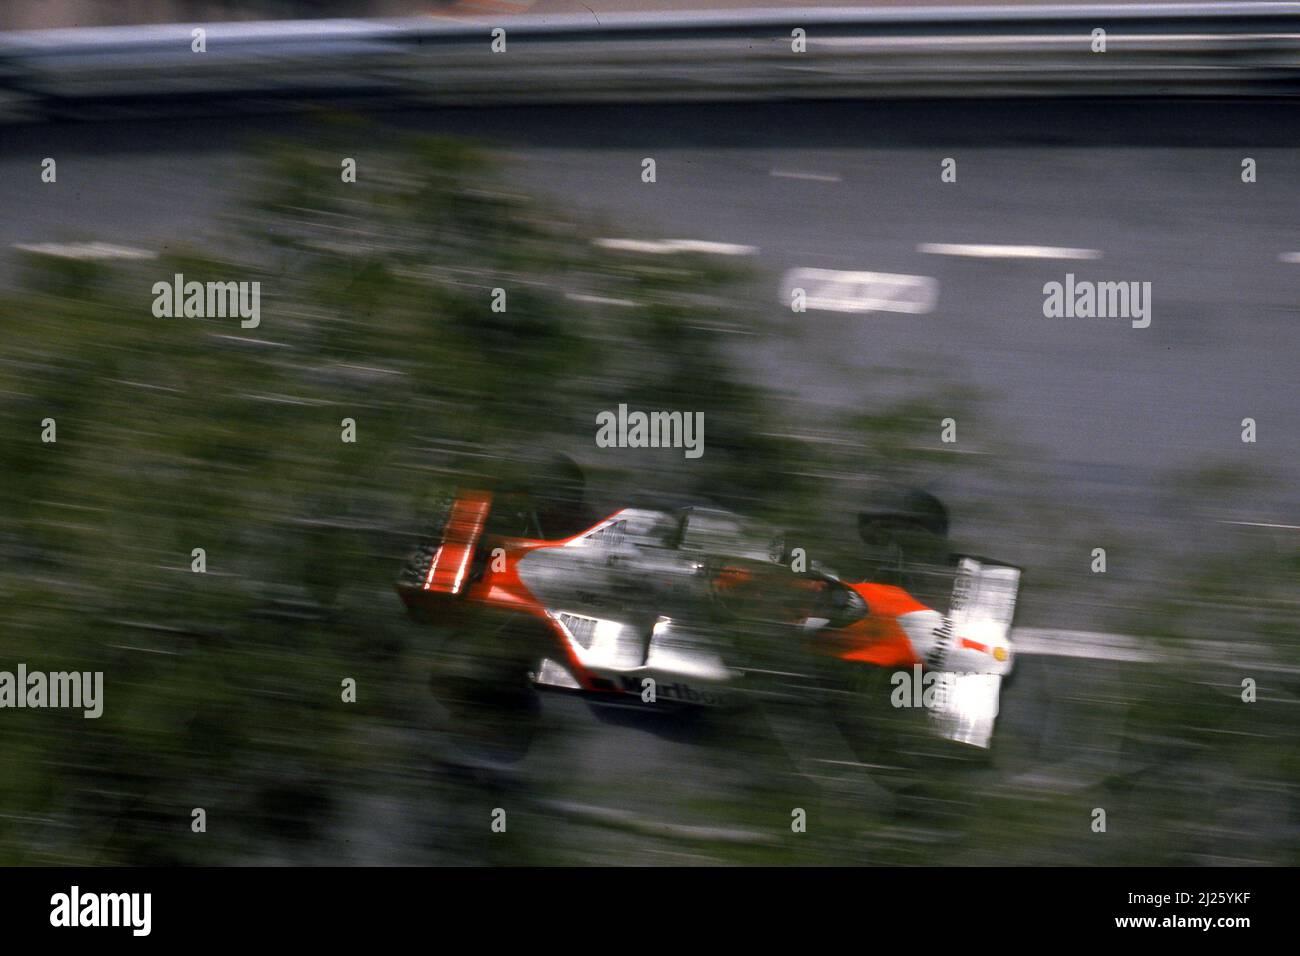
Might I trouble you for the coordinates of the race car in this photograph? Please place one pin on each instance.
(631, 606)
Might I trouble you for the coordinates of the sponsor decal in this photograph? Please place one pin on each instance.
(677, 691)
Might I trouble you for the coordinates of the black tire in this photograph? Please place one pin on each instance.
(495, 715)
(899, 506)
(553, 492)
(906, 538)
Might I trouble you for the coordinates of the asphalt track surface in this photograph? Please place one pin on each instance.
(1153, 189)
(1106, 411)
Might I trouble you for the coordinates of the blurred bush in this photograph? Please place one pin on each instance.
(223, 688)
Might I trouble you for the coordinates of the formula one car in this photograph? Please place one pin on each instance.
(630, 606)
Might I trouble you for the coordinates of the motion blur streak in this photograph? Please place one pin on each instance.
(223, 669)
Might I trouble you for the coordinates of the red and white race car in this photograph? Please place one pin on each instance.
(630, 607)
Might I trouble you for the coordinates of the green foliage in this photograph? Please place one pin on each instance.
(223, 688)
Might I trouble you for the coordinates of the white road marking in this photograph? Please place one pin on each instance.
(986, 251)
(619, 817)
(85, 250)
(950, 449)
(597, 299)
(1292, 257)
(830, 290)
(147, 650)
(663, 246)
(811, 177)
(284, 399)
(249, 341)
(723, 330)
(855, 763)
(1097, 645)
(372, 368)
(159, 388)
(1263, 524)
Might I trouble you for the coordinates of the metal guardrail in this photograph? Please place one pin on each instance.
(1202, 49)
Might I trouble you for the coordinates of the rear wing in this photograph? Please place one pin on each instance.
(441, 565)
(983, 605)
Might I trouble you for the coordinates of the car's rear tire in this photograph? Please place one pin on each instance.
(549, 492)
(905, 531)
(901, 506)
